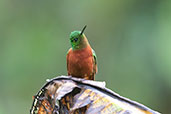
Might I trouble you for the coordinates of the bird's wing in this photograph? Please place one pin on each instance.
(68, 53)
(95, 61)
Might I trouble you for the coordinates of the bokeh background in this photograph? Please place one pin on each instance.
(132, 40)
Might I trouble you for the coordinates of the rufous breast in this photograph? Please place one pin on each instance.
(80, 62)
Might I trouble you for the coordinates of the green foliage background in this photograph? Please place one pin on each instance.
(132, 40)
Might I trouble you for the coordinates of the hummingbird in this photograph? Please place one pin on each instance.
(81, 58)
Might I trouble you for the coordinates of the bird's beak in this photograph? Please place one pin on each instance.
(83, 30)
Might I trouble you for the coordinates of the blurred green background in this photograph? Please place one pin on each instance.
(132, 40)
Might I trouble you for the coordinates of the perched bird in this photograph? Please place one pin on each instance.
(81, 58)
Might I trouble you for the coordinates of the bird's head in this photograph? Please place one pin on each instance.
(77, 39)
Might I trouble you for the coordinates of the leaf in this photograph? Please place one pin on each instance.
(68, 95)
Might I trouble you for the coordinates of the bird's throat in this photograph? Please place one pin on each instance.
(83, 44)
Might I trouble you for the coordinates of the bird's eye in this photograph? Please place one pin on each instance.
(76, 39)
